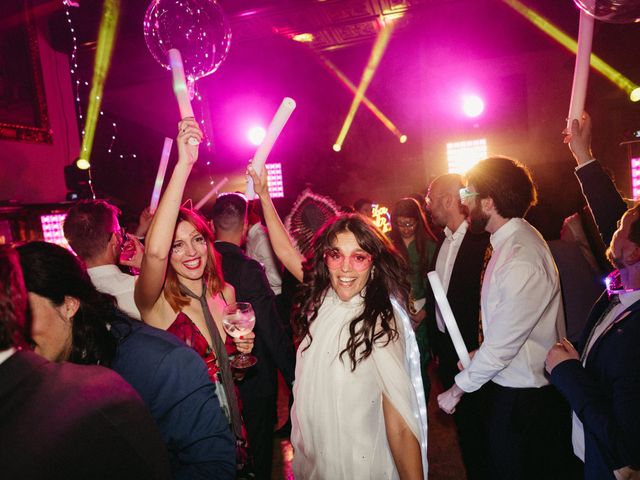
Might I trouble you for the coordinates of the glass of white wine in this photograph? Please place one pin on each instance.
(238, 320)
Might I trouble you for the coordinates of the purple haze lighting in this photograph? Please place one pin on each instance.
(472, 105)
(256, 135)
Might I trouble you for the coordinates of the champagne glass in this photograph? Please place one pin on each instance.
(238, 320)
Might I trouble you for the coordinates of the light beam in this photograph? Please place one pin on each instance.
(613, 75)
(335, 71)
(104, 49)
(377, 52)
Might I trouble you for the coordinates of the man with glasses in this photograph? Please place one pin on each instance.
(522, 317)
(93, 231)
(459, 261)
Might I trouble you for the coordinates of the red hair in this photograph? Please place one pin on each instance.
(212, 271)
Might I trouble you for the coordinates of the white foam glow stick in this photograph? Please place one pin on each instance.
(449, 320)
(581, 70)
(213, 191)
(162, 170)
(180, 87)
(277, 124)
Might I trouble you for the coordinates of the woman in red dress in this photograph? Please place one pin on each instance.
(181, 288)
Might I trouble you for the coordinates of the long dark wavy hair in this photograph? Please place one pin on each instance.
(387, 279)
(410, 208)
(55, 273)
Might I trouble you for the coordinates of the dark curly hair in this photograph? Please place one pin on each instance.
(388, 279)
(55, 273)
(13, 300)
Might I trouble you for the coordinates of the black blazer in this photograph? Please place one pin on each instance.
(273, 348)
(603, 198)
(66, 421)
(464, 297)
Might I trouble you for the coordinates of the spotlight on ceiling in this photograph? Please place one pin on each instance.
(256, 135)
(303, 37)
(472, 105)
(82, 164)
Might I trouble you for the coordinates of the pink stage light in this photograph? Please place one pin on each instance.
(256, 135)
(52, 229)
(274, 180)
(635, 178)
(472, 105)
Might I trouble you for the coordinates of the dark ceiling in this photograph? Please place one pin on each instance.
(264, 65)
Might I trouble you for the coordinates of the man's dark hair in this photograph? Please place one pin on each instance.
(54, 273)
(229, 212)
(13, 300)
(361, 202)
(507, 182)
(88, 227)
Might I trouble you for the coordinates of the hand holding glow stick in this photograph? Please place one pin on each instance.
(277, 124)
(213, 191)
(449, 320)
(180, 87)
(581, 70)
(162, 170)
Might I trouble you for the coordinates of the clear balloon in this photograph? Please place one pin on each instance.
(613, 11)
(198, 28)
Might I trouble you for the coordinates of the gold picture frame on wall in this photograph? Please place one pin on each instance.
(23, 106)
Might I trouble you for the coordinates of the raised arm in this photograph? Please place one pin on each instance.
(605, 202)
(160, 234)
(280, 241)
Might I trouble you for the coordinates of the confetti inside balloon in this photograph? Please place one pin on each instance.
(197, 28)
(613, 11)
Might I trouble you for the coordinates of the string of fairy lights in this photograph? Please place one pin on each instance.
(78, 84)
(81, 90)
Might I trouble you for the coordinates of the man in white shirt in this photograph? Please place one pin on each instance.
(93, 231)
(258, 247)
(459, 262)
(522, 317)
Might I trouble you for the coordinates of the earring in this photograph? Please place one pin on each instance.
(373, 271)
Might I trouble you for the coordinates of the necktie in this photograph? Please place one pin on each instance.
(613, 302)
(487, 256)
(222, 358)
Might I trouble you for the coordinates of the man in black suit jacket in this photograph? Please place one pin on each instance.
(460, 257)
(273, 348)
(62, 420)
(602, 383)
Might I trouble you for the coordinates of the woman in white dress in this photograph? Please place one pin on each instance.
(359, 409)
